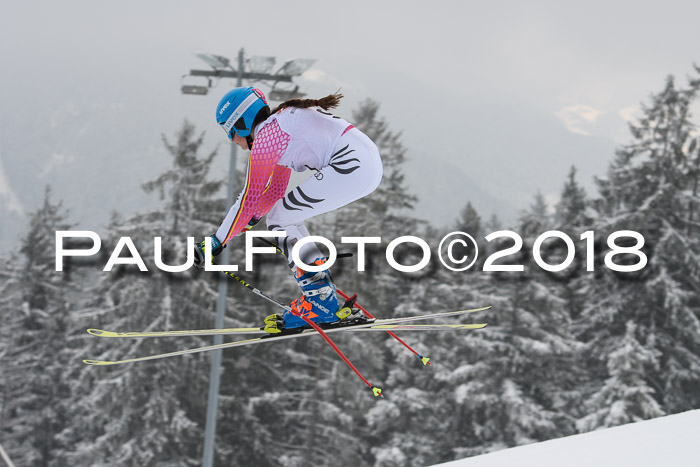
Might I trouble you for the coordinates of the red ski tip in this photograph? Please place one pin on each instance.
(377, 392)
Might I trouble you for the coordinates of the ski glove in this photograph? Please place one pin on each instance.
(199, 254)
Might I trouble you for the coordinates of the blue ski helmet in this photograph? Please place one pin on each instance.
(237, 110)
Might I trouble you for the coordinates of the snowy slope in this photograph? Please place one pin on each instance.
(666, 441)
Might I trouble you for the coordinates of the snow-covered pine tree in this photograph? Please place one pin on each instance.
(571, 210)
(469, 221)
(542, 323)
(573, 217)
(10, 298)
(625, 396)
(38, 353)
(650, 188)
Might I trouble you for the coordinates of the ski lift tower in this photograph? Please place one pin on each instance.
(198, 82)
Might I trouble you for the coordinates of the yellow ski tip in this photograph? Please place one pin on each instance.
(425, 360)
(377, 392)
(97, 362)
(101, 333)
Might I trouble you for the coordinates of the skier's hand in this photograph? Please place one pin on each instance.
(199, 253)
(198, 257)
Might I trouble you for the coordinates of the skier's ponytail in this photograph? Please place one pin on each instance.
(331, 101)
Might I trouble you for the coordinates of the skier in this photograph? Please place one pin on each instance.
(298, 134)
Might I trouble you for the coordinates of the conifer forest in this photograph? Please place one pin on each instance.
(563, 353)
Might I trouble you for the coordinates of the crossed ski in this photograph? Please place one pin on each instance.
(395, 324)
(383, 325)
(386, 325)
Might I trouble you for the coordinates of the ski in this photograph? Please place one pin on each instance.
(422, 327)
(257, 331)
(380, 325)
(307, 332)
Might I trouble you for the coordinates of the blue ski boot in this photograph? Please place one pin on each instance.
(318, 302)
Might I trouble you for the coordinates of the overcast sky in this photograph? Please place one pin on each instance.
(479, 86)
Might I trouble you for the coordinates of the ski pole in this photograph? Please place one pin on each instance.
(425, 360)
(257, 291)
(375, 390)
